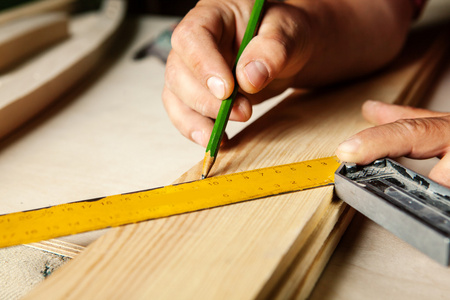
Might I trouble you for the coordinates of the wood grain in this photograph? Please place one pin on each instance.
(297, 284)
(240, 251)
(58, 247)
(18, 39)
(51, 73)
(302, 273)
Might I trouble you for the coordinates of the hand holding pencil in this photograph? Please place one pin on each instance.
(299, 44)
(199, 72)
(225, 108)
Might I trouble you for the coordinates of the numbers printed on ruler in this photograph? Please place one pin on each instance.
(77, 217)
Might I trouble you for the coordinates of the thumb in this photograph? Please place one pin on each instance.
(415, 138)
(280, 49)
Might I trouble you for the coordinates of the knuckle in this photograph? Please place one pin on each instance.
(185, 41)
(424, 126)
(181, 34)
(413, 126)
(170, 75)
(284, 45)
(292, 33)
(201, 106)
(197, 69)
(164, 97)
(186, 34)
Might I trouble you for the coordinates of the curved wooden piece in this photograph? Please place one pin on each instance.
(34, 8)
(26, 37)
(25, 91)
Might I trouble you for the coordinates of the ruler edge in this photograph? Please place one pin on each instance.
(332, 159)
(190, 182)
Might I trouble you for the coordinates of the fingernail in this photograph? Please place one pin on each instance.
(370, 104)
(348, 150)
(197, 136)
(216, 86)
(257, 73)
(350, 146)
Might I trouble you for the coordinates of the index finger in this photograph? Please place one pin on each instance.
(203, 40)
(414, 138)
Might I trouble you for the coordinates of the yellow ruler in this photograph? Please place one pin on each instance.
(76, 217)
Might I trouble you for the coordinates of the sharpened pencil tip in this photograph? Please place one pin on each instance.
(207, 164)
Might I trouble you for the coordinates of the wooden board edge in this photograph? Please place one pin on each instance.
(17, 111)
(310, 279)
(58, 247)
(333, 220)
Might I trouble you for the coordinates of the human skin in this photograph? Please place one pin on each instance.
(300, 43)
(401, 131)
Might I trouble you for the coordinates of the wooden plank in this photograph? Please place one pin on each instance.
(17, 39)
(53, 72)
(243, 250)
(34, 8)
(58, 247)
(302, 274)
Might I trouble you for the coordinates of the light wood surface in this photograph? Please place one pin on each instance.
(34, 8)
(243, 250)
(23, 38)
(58, 247)
(380, 266)
(51, 73)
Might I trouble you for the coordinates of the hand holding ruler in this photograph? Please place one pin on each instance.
(411, 206)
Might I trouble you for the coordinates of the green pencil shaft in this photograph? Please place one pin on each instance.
(226, 106)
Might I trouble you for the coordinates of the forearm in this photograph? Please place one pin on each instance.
(352, 37)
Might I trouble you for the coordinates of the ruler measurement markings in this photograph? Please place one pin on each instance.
(116, 210)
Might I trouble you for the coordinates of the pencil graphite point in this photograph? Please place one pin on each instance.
(207, 164)
(227, 104)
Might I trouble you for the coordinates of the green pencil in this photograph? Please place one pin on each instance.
(225, 109)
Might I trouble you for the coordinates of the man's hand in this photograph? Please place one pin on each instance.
(401, 131)
(205, 43)
(300, 43)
